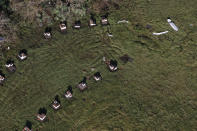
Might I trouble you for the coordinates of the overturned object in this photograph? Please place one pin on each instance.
(63, 26)
(2, 78)
(82, 85)
(160, 33)
(41, 116)
(22, 54)
(174, 27)
(69, 92)
(10, 66)
(47, 33)
(56, 103)
(97, 76)
(113, 65)
(77, 24)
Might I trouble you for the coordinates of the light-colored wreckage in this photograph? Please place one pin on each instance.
(174, 27)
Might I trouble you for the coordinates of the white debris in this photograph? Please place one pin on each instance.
(110, 35)
(92, 69)
(104, 59)
(160, 33)
(123, 21)
(172, 24)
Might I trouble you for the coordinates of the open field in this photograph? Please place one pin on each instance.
(157, 91)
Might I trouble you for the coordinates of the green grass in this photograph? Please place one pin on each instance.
(155, 92)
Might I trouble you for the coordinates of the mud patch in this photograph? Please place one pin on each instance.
(125, 58)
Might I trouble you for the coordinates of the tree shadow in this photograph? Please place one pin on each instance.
(57, 99)
(28, 124)
(42, 111)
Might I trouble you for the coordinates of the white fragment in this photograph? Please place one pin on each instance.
(104, 59)
(123, 21)
(160, 33)
(172, 24)
(110, 35)
(92, 69)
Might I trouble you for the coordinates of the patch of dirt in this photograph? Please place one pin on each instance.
(100, 6)
(125, 58)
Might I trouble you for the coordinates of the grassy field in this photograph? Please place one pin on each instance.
(157, 91)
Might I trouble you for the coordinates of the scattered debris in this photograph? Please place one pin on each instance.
(123, 21)
(174, 27)
(160, 33)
